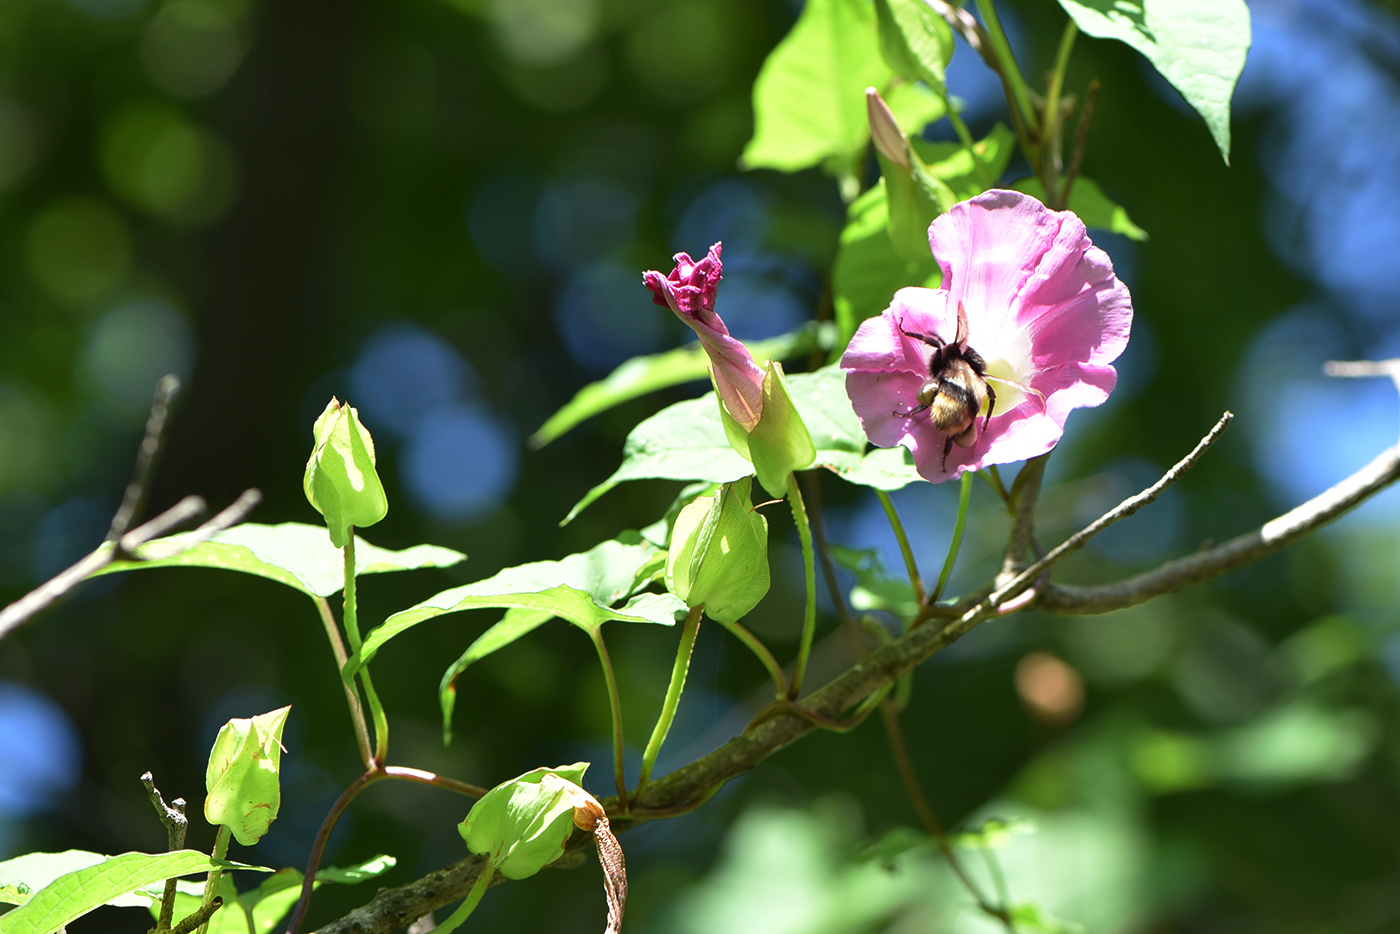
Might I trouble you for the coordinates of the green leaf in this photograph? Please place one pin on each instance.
(868, 271)
(993, 834)
(580, 588)
(809, 99)
(914, 107)
(881, 469)
(642, 375)
(684, 441)
(267, 904)
(1092, 206)
(951, 162)
(243, 776)
(1199, 46)
(521, 826)
(293, 553)
(894, 843)
(515, 624)
(1029, 916)
(915, 41)
(874, 589)
(842, 447)
(75, 893)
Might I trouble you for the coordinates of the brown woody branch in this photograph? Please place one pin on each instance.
(392, 909)
(1237, 552)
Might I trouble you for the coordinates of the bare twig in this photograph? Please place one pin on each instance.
(1122, 511)
(971, 30)
(172, 815)
(1358, 368)
(200, 916)
(1081, 136)
(230, 516)
(51, 591)
(137, 491)
(1237, 552)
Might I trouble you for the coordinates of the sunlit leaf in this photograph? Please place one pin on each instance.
(914, 106)
(874, 589)
(1029, 916)
(579, 588)
(1197, 45)
(293, 553)
(809, 99)
(77, 892)
(951, 161)
(993, 834)
(642, 375)
(916, 42)
(686, 442)
(1092, 206)
(269, 903)
(868, 270)
(610, 571)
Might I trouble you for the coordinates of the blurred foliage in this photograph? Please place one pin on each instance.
(439, 209)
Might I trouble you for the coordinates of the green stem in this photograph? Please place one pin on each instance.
(964, 496)
(984, 177)
(352, 696)
(992, 477)
(615, 702)
(1010, 71)
(352, 632)
(1050, 169)
(809, 569)
(212, 882)
(483, 881)
(775, 671)
(998, 882)
(673, 696)
(916, 581)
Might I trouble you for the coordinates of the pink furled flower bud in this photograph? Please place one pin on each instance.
(985, 369)
(690, 292)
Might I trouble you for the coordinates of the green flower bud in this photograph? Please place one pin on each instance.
(242, 776)
(719, 553)
(340, 479)
(521, 826)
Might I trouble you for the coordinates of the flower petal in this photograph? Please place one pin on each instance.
(1044, 312)
(879, 345)
(689, 291)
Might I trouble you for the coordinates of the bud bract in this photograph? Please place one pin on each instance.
(242, 777)
(719, 553)
(521, 826)
(340, 480)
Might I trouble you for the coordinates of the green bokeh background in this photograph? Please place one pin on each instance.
(291, 176)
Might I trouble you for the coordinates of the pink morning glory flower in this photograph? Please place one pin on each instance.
(690, 292)
(985, 369)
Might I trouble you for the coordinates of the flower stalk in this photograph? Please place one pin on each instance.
(673, 696)
(809, 573)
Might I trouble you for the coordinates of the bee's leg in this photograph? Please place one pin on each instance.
(911, 413)
(947, 446)
(991, 404)
(933, 340)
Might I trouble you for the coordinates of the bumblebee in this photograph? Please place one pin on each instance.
(956, 390)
